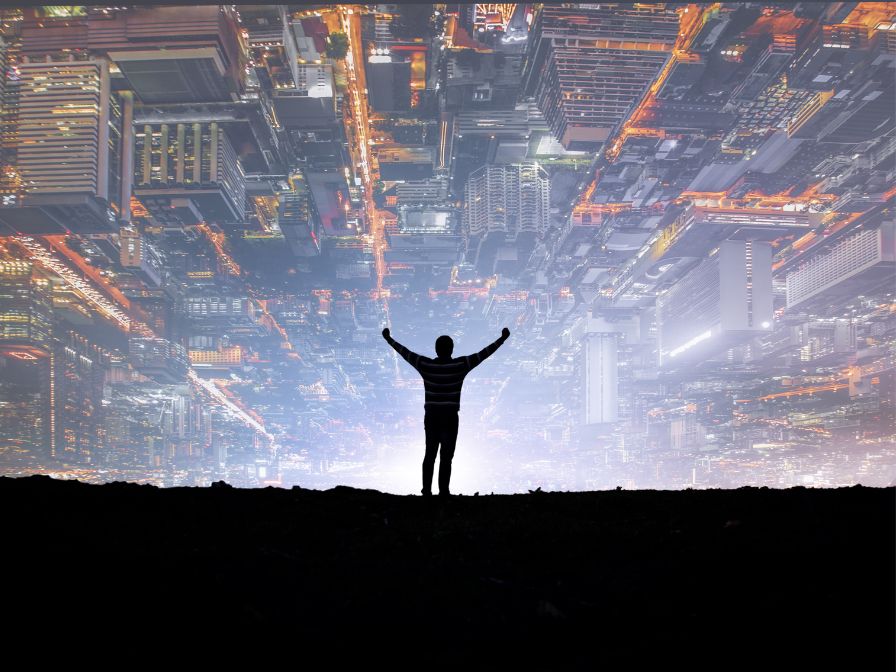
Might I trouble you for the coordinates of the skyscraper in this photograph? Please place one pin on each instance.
(507, 207)
(297, 218)
(26, 317)
(189, 171)
(857, 263)
(26, 314)
(722, 300)
(588, 66)
(601, 378)
(510, 199)
(77, 375)
(9, 48)
(69, 131)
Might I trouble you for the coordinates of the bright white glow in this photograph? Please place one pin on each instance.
(691, 343)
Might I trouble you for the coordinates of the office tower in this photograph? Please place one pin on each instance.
(26, 317)
(352, 259)
(497, 136)
(139, 256)
(69, 147)
(4, 48)
(7, 98)
(309, 100)
(297, 219)
(695, 231)
(77, 374)
(428, 191)
(506, 208)
(588, 66)
(219, 357)
(724, 299)
(189, 172)
(9, 92)
(601, 378)
(507, 199)
(389, 78)
(832, 53)
(174, 54)
(295, 61)
(159, 359)
(186, 425)
(406, 163)
(427, 238)
(484, 80)
(219, 303)
(26, 312)
(858, 263)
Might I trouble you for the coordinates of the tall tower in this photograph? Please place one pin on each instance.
(588, 66)
(26, 315)
(77, 375)
(506, 208)
(10, 23)
(64, 107)
(601, 378)
(725, 299)
(69, 144)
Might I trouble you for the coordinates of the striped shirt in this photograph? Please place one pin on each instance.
(443, 378)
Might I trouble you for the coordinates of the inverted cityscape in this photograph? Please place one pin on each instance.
(684, 214)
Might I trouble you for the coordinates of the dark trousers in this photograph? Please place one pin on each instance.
(441, 428)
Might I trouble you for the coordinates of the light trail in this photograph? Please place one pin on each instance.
(266, 315)
(92, 272)
(217, 241)
(813, 389)
(235, 410)
(82, 287)
(691, 19)
(350, 19)
(106, 308)
(800, 391)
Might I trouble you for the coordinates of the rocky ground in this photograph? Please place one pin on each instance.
(617, 579)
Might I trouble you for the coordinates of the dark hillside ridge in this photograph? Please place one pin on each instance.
(616, 579)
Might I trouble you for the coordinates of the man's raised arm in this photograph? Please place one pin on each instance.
(475, 360)
(411, 358)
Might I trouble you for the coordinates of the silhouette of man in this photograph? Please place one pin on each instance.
(442, 380)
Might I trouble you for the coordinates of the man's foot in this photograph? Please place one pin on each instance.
(426, 493)
(445, 494)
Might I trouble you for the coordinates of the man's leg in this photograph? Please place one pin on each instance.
(449, 440)
(429, 459)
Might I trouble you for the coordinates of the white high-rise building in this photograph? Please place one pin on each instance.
(63, 129)
(509, 198)
(724, 299)
(854, 265)
(69, 137)
(601, 378)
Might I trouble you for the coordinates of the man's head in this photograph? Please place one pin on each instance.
(444, 347)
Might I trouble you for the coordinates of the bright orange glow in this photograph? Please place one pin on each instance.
(691, 19)
(217, 240)
(869, 15)
(92, 272)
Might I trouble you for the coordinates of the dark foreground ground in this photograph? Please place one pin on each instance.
(614, 580)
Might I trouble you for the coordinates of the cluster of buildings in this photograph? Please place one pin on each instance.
(683, 213)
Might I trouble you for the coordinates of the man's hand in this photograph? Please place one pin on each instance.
(505, 332)
(386, 333)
